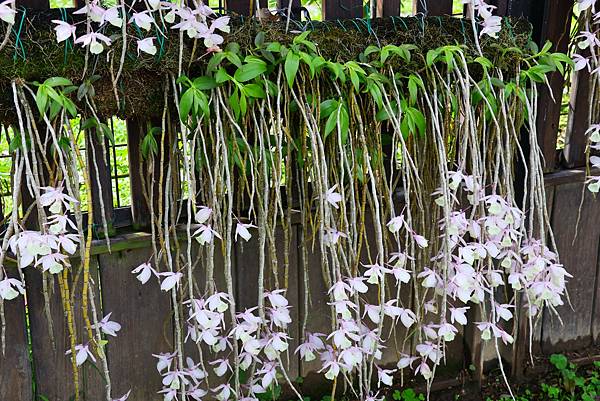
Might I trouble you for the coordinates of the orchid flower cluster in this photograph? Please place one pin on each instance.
(491, 24)
(49, 249)
(199, 22)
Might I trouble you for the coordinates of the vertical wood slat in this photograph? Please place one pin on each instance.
(16, 378)
(340, 9)
(388, 8)
(139, 207)
(579, 109)
(556, 28)
(434, 7)
(54, 376)
(144, 313)
(551, 21)
(101, 182)
(579, 255)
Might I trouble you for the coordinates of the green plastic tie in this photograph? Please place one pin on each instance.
(18, 42)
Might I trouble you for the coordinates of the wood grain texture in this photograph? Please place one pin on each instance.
(434, 7)
(555, 28)
(101, 182)
(388, 8)
(139, 207)
(339, 9)
(579, 255)
(53, 373)
(145, 315)
(15, 367)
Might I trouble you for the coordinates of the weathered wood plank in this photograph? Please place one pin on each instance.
(579, 255)
(101, 182)
(388, 8)
(139, 208)
(579, 111)
(555, 28)
(145, 315)
(434, 7)
(15, 379)
(339, 9)
(54, 376)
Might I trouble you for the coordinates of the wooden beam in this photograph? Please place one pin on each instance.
(434, 7)
(101, 182)
(340, 9)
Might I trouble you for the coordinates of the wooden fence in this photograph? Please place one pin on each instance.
(33, 366)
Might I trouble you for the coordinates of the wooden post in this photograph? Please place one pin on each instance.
(388, 8)
(101, 182)
(340, 9)
(551, 21)
(579, 113)
(434, 7)
(139, 209)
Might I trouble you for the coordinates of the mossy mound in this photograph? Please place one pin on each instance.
(34, 55)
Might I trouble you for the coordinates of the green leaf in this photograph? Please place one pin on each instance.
(250, 71)
(222, 76)
(327, 107)
(559, 361)
(41, 98)
(69, 106)
(57, 81)
(292, 62)
(330, 124)
(344, 124)
(254, 90)
(205, 83)
(149, 145)
(185, 104)
(432, 55)
(107, 132)
(15, 143)
(213, 63)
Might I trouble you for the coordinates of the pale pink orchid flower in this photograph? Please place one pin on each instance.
(242, 230)
(170, 281)
(113, 17)
(82, 353)
(64, 30)
(107, 326)
(7, 11)
(10, 288)
(94, 41)
(144, 272)
(146, 46)
(332, 197)
(92, 10)
(143, 20)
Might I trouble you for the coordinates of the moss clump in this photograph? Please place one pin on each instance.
(35, 56)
